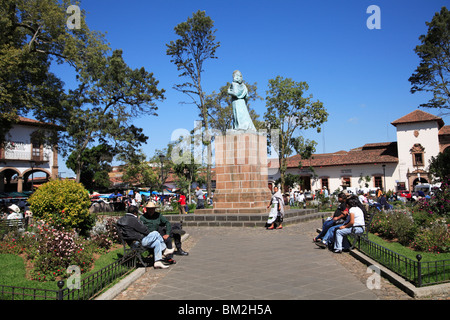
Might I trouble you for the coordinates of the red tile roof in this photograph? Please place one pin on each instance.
(418, 116)
(29, 121)
(371, 153)
(444, 130)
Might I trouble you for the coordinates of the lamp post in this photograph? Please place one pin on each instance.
(161, 158)
(33, 164)
(384, 176)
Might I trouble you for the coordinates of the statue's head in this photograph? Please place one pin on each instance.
(237, 76)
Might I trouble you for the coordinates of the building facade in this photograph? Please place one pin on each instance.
(23, 155)
(398, 165)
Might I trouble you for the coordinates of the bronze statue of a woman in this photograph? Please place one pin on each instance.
(239, 97)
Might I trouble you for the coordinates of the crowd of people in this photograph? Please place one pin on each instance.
(298, 198)
(121, 201)
(349, 217)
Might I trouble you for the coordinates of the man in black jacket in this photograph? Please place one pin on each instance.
(134, 230)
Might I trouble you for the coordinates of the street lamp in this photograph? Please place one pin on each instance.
(161, 158)
(33, 164)
(384, 176)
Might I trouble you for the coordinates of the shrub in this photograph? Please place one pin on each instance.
(423, 219)
(403, 226)
(438, 205)
(11, 243)
(55, 250)
(103, 235)
(397, 224)
(382, 226)
(435, 238)
(63, 203)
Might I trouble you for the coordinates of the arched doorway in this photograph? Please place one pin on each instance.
(419, 181)
(417, 177)
(10, 180)
(34, 178)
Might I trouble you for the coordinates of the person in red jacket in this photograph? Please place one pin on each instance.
(182, 202)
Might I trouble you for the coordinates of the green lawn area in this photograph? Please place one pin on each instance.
(12, 270)
(408, 252)
(435, 267)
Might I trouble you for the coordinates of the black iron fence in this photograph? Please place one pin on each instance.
(85, 289)
(420, 273)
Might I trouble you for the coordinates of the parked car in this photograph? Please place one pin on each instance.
(308, 195)
(404, 193)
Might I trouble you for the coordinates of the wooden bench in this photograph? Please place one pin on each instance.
(135, 249)
(368, 218)
(8, 225)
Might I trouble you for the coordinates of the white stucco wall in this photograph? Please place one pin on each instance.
(427, 137)
(357, 174)
(18, 153)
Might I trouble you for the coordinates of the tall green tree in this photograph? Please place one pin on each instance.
(138, 171)
(96, 166)
(195, 45)
(440, 166)
(109, 96)
(290, 110)
(433, 73)
(185, 167)
(33, 34)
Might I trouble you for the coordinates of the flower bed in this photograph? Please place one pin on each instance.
(49, 251)
(423, 227)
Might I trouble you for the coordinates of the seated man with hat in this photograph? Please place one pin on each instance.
(134, 230)
(14, 212)
(155, 221)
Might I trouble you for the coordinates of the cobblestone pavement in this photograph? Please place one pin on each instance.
(144, 285)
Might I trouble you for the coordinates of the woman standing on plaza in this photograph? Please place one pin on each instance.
(277, 211)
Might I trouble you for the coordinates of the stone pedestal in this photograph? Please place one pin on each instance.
(241, 174)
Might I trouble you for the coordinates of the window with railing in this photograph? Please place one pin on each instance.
(36, 148)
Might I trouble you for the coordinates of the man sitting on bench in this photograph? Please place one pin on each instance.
(134, 230)
(155, 221)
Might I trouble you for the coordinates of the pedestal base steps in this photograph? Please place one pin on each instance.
(231, 218)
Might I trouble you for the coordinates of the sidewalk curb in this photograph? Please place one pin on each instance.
(111, 293)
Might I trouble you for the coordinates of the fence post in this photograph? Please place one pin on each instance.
(60, 291)
(419, 270)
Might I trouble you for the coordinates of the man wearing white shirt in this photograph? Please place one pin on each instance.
(138, 199)
(200, 198)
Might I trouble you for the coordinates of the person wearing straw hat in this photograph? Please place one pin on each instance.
(14, 212)
(155, 221)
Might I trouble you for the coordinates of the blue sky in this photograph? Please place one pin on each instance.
(360, 75)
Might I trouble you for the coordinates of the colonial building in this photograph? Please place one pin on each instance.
(24, 155)
(393, 165)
